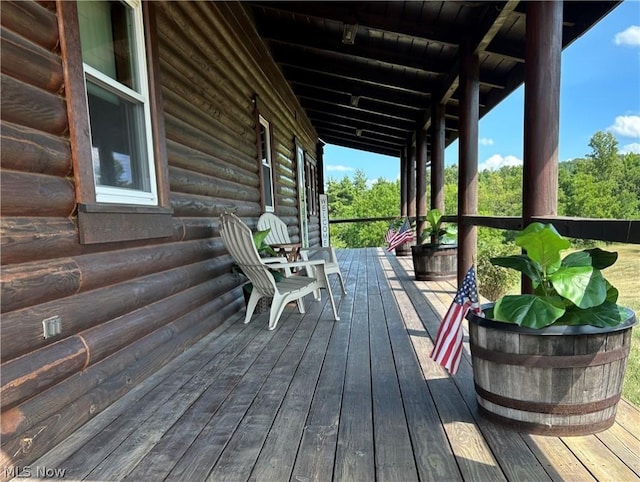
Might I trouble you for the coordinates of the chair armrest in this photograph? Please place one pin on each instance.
(300, 264)
(280, 259)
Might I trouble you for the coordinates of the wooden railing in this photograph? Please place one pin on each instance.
(611, 230)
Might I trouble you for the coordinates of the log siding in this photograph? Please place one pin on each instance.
(127, 308)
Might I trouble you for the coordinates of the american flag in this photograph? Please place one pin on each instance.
(448, 348)
(390, 232)
(403, 235)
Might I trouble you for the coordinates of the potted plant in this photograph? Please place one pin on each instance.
(552, 362)
(435, 257)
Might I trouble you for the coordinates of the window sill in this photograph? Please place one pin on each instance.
(105, 223)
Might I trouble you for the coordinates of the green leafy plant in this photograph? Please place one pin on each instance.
(261, 245)
(570, 290)
(437, 232)
(264, 249)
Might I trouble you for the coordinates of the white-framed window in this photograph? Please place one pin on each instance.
(266, 165)
(115, 71)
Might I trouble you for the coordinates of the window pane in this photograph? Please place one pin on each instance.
(268, 190)
(117, 135)
(264, 145)
(107, 38)
(265, 162)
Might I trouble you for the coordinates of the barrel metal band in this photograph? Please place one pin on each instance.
(551, 361)
(543, 407)
(541, 429)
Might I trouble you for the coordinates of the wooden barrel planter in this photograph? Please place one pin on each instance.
(433, 262)
(403, 250)
(558, 380)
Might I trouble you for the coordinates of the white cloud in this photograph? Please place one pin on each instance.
(629, 148)
(333, 167)
(630, 36)
(485, 141)
(497, 161)
(626, 126)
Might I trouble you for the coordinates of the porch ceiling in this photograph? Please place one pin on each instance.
(373, 94)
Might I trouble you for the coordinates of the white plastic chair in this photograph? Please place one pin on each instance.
(279, 236)
(238, 240)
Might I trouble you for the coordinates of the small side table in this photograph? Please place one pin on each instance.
(289, 250)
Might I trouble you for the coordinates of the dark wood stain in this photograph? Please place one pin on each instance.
(127, 307)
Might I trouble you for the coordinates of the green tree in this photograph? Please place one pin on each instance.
(603, 185)
(352, 198)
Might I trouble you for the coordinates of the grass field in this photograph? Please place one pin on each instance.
(625, 275)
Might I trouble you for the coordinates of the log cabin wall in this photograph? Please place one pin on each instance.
(126, 308)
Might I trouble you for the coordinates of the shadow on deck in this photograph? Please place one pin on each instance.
(319, 400)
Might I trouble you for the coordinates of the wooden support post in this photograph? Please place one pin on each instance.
(411, 181)
(437, 155)
(421, 181)
(541, 112)
(468, 153)
(403, 182)
(320, 161)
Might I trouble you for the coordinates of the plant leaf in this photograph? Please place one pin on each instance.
(522, 263)
(579, 258)
(583, 285)
(543, 245)
(612, 292)
(528, 310)
(606, 314)
(595, 257)
(433, 217)
(260, 236)
(602, 259)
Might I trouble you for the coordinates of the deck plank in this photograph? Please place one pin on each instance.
(99, 445)
(318, 400)
(393, 461)
(510, 450)
(354, 452)
(434, 457)
(595, 456)
(243, 448)
(203, 452)
(624, 445)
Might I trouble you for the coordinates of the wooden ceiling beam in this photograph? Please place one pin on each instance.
(285, 35)
(344, 12)
(365, 137)
(361, 72)
(358, 145)
(356, 121)
(353, 87)
(352, 113)
(386, 137)
(363, 106)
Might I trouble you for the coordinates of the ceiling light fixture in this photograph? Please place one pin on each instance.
(349, 33)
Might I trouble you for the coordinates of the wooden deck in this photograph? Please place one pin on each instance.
(318, 400)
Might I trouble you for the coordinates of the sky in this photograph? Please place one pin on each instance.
(599, 91)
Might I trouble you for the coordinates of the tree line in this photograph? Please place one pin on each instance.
(603, 184)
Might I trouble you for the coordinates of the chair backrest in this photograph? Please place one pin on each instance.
(238, 240)
(279, 233)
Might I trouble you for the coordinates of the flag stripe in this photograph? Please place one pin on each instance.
(403, 235)
(447, 350)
